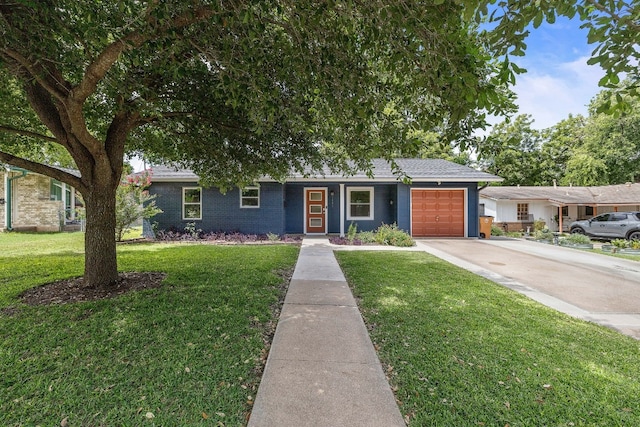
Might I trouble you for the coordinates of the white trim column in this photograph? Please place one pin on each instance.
(341, 195)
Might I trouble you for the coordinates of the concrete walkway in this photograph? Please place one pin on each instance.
(322, 369)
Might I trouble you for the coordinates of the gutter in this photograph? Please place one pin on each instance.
(8, 193)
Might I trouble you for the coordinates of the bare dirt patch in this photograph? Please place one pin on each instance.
(73, 290)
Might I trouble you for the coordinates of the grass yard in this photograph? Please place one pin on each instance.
(187, 353)
(463, 351)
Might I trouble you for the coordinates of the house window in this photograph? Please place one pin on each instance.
(56, 190)
(565, 211)
(191, 203)
(250, 197)
(588, 210)
(523, 211)
(360, 203)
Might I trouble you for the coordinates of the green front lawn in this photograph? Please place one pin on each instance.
(463, 351)
(187, 353)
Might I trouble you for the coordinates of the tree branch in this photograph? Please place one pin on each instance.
(614, 16)
(101, 65)
(49, 171)
(9, 129)
(38, 73)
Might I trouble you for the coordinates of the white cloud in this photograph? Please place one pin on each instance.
(549, 96)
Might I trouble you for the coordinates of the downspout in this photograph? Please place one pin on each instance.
(9, 201)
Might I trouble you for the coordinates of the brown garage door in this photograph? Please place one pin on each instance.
(437, 213)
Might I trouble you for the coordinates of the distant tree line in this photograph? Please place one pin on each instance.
(600, 149)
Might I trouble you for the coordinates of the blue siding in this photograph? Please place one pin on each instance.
(384, 211)
(221, 212)
(282, 207)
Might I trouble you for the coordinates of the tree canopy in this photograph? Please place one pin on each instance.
(234, 90)
(600, 149)
(240, 89)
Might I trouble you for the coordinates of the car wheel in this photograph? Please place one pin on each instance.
(634, 235)
(577, 230)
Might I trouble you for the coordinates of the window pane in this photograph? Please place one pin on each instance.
(315, 195)
(315, 209)
(360, 210)
(192, 195)
(250, 192)
(360, 197)
(192, 211)
(56, 190)
(315, 222)
(250, 201)
(523, 211)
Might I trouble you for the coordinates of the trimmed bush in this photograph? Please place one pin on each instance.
(577, 239)
(496, 231)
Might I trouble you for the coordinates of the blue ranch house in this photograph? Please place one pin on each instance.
(441, 201)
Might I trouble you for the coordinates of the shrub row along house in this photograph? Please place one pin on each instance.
(515, 208)
(34, 202)
(440, 201)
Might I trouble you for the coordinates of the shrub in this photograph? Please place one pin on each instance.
(352, 231)
(385, 235)
(272, 237)
(543, 234)
(539, 225)
(367, 237)
(620, 243)
(133, 203)
(191, 229)
(391, 235)
(496, 231)
(577, 239)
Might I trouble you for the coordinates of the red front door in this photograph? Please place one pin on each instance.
(315, 210)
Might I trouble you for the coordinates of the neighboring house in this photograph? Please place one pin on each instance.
(34, 202)
(442, 200)
(515, 208)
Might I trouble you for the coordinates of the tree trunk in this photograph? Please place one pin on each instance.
(101, 268)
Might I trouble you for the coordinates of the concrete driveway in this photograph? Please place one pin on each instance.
(590, 286)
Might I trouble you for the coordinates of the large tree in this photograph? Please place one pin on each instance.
(232, 89)
(609, 148)
(512, 151)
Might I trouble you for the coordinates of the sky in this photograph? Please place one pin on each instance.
(558, 81)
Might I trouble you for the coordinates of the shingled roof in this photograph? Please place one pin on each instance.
(622, 194)
(419, 170)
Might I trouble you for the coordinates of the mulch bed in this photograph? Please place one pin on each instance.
(74, 290)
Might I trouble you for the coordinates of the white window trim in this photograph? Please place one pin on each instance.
(251, 187)
(184, 190)
(371, 210)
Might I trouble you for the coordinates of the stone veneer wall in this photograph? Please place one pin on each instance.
(32, 207)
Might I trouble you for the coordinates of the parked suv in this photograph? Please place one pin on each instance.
(615, 225)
